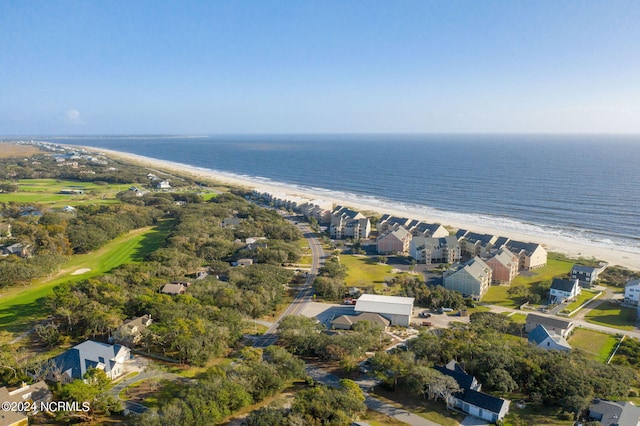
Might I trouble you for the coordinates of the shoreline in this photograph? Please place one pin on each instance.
(570, 249)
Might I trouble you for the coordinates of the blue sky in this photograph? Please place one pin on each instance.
(208, 67)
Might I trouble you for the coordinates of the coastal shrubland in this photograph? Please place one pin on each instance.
(567, 381)
(221, 391)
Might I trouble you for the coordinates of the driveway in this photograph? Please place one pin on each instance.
(322, 376)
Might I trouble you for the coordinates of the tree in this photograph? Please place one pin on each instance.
(267, 416)
(48, 333)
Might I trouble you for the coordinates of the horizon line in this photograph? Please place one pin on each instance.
(200, 135)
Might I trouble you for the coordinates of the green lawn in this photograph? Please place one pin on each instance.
(497, 295)
(596, 345)
(363, 270)
(612, 315)
(20, 306)
(582, 298)
(208, 195)
(534, 414)
(519, 318)
(46, 191)
(306, 258)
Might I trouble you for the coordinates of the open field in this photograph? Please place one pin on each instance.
(596, 345)
(306, 258)
(612, 315)
(364, 271)
(534, 414)
(12, 150)
(497, 295)
(47, 191)
(20, 306)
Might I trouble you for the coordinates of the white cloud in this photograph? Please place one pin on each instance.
(73, 117)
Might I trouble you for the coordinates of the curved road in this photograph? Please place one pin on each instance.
(306, 293)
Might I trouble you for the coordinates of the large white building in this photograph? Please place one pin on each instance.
(73, 363)
(398, 310)
(347, 223)
(632, 292)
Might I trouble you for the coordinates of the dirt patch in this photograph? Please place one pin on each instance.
(81, 271)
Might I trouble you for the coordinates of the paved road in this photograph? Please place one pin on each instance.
(134, 407)
(578, 322)
(306, 293)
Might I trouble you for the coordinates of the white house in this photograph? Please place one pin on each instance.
(470, 399)
(564, 290)
(398, 310)
(163, 184)
(73, 364)
(632, 292)
(544, 339)
(555, 325)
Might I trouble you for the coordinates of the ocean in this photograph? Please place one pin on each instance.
(577, 188)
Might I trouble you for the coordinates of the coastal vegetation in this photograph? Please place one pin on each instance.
(128, 246)
(567, 381)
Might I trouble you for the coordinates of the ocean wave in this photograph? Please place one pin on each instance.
(499, 223)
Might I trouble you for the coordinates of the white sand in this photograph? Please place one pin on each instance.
(80, 271)
(572, 249)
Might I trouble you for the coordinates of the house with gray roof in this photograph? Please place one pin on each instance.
(174, 288)
(471, 279)
(346, 322)
(555, 325)
(585, 274)
(75, 362)
(433, 230)
(131, 331)
(474, 244)
(610, 413)
(544, 339)
(531, 255)
(394, 240)
(347, 223)
(470, 399)
(504, 265)
(387, 222)
(435, 250)
(564, 290)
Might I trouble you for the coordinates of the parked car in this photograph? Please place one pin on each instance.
(424, 314)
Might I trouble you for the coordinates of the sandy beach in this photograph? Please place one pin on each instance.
(571, 249)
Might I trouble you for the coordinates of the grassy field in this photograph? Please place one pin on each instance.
(612, 315)
(47, 191)
(12, 150)
(306, 258)
(21, 306)
(534, 414)
(596, 345)
(519, 318)
(363, 270)
(497, 295)
(582, 298)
